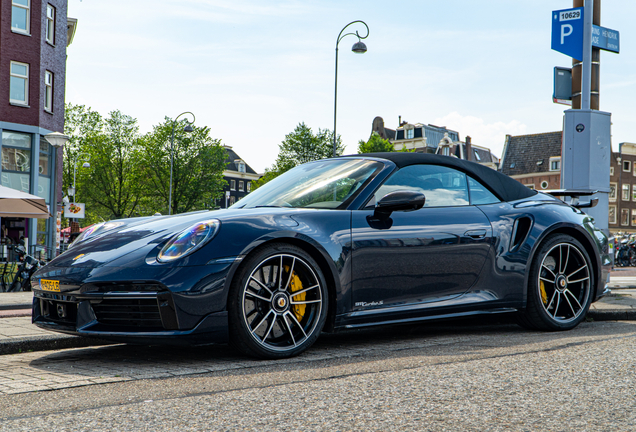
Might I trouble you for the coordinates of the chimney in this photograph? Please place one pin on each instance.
(469, 149)
(399, 121)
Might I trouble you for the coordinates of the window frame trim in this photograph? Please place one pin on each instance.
(26, 83)
(48, 89)
(52, 22)
(26, 32)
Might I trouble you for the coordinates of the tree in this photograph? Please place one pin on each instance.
(376, 144)
(199, 162)
(299, 147)
(110, 187)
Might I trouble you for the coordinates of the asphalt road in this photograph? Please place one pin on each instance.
(449, 376)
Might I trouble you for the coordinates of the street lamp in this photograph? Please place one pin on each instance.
(358, 48)
(56, 139)
(71, 191)
(187, 128)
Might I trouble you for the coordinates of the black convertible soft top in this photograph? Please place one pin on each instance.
(506, 188)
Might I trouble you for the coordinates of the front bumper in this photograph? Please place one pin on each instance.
(139, 317)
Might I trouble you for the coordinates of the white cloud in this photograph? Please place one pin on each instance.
(491, 135)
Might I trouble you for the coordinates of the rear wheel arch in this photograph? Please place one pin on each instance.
(576, 234)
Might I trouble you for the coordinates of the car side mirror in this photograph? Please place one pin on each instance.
(398, 201)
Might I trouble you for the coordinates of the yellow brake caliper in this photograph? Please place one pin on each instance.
(296, 285)
(544, 295)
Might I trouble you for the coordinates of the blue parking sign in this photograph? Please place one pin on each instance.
(567, 32)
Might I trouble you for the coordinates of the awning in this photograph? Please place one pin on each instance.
(14, 203)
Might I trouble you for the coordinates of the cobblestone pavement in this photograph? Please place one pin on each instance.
(50, 370)
(409, 378)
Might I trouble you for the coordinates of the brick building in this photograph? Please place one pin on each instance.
(33, 40)
(534, 160)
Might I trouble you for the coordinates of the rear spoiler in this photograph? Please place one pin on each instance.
(574, 195)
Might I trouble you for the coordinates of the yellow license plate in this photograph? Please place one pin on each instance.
(50, 285)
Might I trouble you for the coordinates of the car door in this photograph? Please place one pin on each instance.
(431, 254)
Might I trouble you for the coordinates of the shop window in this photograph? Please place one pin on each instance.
(21, 16)
(44, 170)
(16, 160)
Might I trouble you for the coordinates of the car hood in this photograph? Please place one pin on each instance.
(140, 236)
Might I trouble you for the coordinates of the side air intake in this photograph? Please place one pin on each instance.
(520, 232)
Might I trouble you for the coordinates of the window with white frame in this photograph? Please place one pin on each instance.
(530, 186)
(232, 184)
(612, 171)
(249, 186)
(21, 16)
(625, 192)
(241, 186)
(50, 24)
(555, 163)
(410, 133)
(241, 166)
(634, 192)
(624, 217)
(612, 193)
(633, 217)
(627, 166)
(48, 91)
(612, 215)
(19, 83)
(544, 184)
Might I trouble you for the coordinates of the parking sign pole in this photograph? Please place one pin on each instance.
(586, 72)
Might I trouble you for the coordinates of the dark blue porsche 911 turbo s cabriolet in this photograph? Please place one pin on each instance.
(333, 244)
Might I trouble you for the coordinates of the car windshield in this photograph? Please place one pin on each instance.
(321, 184)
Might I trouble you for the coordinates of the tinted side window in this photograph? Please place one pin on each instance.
(479, 194)
(441, 186)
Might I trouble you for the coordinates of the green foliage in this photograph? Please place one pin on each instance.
(299, 147)
(110, 186)
(198, 167)
(376, 144)
(129, 173)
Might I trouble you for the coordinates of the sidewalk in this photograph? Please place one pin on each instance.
(17, 334)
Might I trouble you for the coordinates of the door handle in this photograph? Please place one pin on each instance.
(476, 234)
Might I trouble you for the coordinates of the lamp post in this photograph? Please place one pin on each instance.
(187, 128)
(72, 191)
(358, 48)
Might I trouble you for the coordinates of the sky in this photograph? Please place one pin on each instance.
(253, 70)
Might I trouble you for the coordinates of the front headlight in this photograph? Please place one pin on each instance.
(188, 240)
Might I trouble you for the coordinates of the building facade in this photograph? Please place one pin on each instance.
(419, 137)
(622, 197)
(534, 160)
(33, 40)
(239, 177)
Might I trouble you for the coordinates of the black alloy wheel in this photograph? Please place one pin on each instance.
(560, 287)
(278, 303)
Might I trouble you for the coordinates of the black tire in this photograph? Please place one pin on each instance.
(560, 285)
(267, 320)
